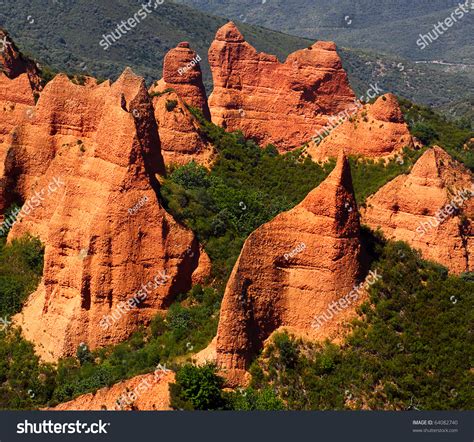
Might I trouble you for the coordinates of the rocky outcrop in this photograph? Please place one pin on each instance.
(19, 82)
(373, 130)
(180, 135)
(273, 102)
(431, 209)
(182, 73)
(179, 130)
(289, 271)
(17, 104)
(85, 170)
(14, 64)
(146, 393)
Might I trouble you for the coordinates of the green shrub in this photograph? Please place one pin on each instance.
(407, 349)
(426, 134)
(251, 400)
(21, 267)
(197, 388)
(433, 128)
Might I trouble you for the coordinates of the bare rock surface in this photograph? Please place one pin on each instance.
(409, 208)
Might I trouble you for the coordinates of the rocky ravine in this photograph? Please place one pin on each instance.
(272, 102)
(406, 209)
(289, 271)
(90, 157)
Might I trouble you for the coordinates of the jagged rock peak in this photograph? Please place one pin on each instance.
(230, 33)
(431, 208)
(289, 271)
(272, 102)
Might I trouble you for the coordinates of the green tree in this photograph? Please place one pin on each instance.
(197, 388)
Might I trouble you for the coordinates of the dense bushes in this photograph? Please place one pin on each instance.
(248, 186)
(407, 350)
(200, 388)
(21, 266)
(188, 326)
(25, 383)
(432, 128)
(197, 388)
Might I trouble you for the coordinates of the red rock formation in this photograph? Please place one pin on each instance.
(85, 168)
(14, 64)
(145, 392)
(16, 105)
(290, 270)
(18, 81)
(375, 130)
(406, 207)
(182, 72)
(180, 135)
(273, 102)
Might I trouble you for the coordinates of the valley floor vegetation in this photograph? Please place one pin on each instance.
(409, 348)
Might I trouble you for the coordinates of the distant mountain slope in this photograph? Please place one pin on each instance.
(66, 35)
(387, 26)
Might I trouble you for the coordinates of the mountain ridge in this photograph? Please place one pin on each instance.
(59, 37)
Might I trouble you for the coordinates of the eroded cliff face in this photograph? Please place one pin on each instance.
(179, 130)
(86, 170)
(289, 271)
(180, 134)
(410, 208)
(273, 102)
(375, 130)
(14, 64)
(19, 82)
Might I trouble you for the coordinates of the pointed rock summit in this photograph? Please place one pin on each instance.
(229, 33)
(431, 208)
(14, 64)
(375, 130)
(179, 129)
(19, 84)
(182, 72)
(84, 171)
(273, 102)
(289, 271)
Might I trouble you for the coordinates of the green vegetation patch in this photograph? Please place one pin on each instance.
(408, 349)
(432, 128)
